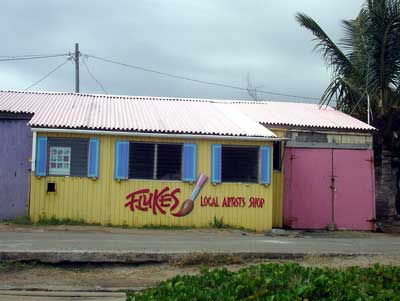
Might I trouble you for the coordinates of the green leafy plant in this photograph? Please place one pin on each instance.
(218, 223)
(284, 282)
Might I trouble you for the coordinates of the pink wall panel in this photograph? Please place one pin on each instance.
(307, 201)
(354, 201)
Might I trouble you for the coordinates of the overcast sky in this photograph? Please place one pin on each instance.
(220, 41)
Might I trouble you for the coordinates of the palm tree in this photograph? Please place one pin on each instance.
(365, 67)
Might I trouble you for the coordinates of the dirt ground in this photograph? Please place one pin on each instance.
(119, 277)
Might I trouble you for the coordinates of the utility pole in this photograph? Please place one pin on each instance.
(76, 57)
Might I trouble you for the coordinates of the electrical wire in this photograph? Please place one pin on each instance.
(21, 58)
(93, 77)
(31, 57)
(197, 80)
(48, 74)
(25, 55)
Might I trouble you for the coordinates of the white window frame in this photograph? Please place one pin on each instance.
(54, 158)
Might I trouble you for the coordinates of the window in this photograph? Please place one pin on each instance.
(141, 160)
(155, 161)
(277, 155)
(67, 157)
(60, 161)
(239, 164)
(169, 161)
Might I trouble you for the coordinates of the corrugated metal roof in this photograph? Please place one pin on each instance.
(171, 115)
(127, 113)
(300, 115)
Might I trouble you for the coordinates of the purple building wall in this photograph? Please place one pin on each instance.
(15, 152)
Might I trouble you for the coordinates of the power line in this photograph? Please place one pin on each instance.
(93, 77)
(21, 58)
(197, 80)
(25, 55)
(47, 75)
(34, 56)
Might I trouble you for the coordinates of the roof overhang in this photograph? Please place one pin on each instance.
(154, 135)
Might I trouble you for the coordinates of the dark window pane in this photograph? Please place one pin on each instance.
(169, 161)
(79, 154)
(277, 155)
(239, 164)
(141, 160)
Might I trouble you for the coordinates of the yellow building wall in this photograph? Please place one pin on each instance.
(277, 187)
(277, 203)
(103, 200)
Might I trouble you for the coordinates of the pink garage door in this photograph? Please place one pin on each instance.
(329, 185)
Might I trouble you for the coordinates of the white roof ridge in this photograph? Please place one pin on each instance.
(144, 97)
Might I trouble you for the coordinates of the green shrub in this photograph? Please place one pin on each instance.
(280, 282)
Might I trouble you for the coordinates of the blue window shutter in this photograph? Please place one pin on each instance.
(93, 160)
(189, 162)
(121, 160)
(265, 162)
(41, 156)
(216, 163)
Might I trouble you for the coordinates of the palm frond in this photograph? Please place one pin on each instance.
(384, 31)
(331, 53)
(347, 96)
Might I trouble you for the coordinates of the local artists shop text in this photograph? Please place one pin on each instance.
(236, 202)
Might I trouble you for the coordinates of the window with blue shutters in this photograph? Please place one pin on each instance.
(265, 162)
(155, 161)
(239, 164)
(57, 156)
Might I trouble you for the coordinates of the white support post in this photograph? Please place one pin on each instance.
(33, 159)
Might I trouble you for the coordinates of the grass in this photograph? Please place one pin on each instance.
(11, 266)
(273, 281)
(53, 221)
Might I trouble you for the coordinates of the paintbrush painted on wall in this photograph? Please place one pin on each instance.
(188, 205)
